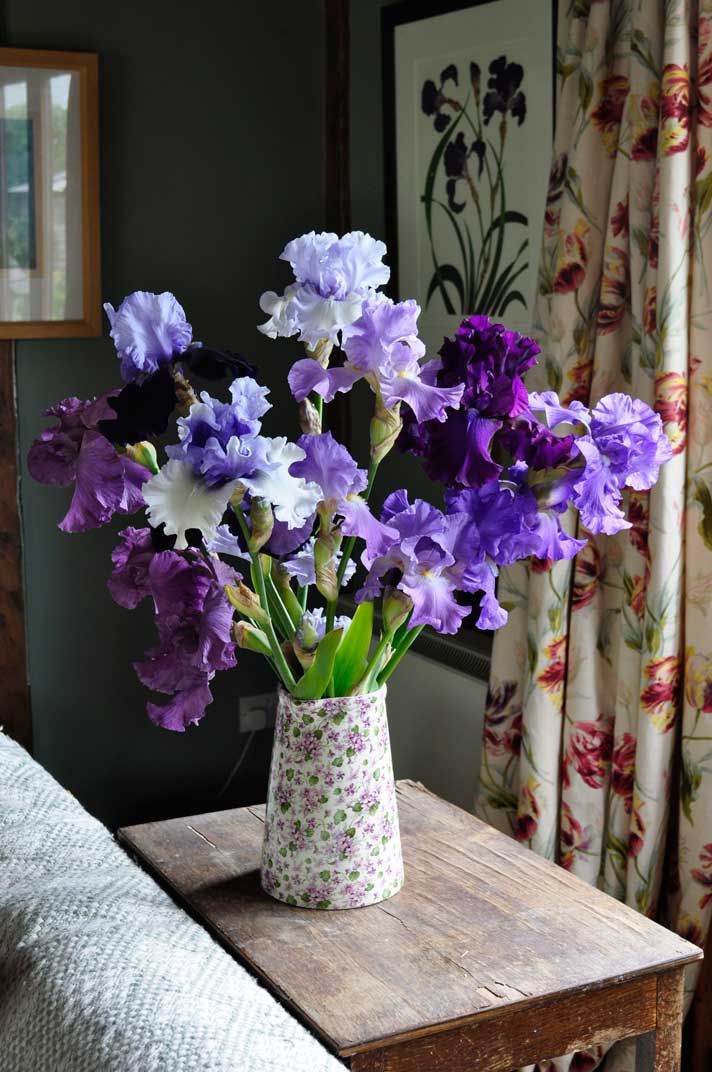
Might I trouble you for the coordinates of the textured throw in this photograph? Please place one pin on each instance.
(100, 971)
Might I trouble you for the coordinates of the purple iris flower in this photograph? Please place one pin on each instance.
(486, 362)
(284, 540)
(383, 347)
(74, 451)
(623, 445)
(193, 619)
(332, 277)
(434, 555)
(508, 523)
(329, 464)
(129, 581)
(148, 330)
(625, 448)
(141, 409)
(220, 439)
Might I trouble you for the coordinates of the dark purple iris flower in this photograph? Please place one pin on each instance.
(74, 451)
(490, 361)
(456, 156)
(192, 616)
(433, 98)
(141, 410)
(503, 93)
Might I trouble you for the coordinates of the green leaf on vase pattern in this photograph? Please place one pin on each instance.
(339, 816)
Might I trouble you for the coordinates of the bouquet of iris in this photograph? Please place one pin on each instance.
(249, 539)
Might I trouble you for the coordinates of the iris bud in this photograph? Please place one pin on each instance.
(397, 608)
(251, 638)
(144, 453)
(261, 524)
(247, 602)
(325, 551)
(309, 419)
(385, 429)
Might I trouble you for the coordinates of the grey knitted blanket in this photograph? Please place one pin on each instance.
(100, 971)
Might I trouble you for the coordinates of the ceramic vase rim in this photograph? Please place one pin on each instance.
(380, 692)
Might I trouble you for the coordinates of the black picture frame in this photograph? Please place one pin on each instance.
(392, 16)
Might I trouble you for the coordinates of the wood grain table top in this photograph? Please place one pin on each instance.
(481, 925)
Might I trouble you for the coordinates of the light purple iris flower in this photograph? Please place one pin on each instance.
(624, 445)
(315, 621)
(221, 439)
(329, 465)
(221, 442)
(193, 619)
(332, 277)
(508, 524)
(75, 452)
(383, 347)
(433, 556)
(148, 330)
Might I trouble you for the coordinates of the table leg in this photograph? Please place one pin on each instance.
(659, 1050)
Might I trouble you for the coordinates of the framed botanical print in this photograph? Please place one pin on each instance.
(468, 99)
(50, 281)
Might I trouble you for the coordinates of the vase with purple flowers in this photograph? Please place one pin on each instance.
(250, 540)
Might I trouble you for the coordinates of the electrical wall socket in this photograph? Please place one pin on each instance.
(257, 712)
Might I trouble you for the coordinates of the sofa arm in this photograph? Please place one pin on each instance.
(100, 970)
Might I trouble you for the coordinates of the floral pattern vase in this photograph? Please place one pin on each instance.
(331, 826)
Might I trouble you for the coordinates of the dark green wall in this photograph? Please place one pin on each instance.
(211, 159)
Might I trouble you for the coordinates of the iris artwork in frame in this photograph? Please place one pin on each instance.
(468, 124)
(50, 282)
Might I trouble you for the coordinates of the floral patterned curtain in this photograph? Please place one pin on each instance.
(598, 728)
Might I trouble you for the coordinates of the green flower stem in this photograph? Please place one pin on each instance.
(280, 611)
(373, 662)
(278, 655)
(348, 551)
(303, 597)
(398, 654)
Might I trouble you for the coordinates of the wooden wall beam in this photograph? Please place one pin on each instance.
(15, 714)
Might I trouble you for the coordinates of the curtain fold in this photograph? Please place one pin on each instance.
(598, 728)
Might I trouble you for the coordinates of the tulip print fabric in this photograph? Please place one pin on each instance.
(598, 729)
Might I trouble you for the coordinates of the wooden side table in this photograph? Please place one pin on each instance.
(490, 957)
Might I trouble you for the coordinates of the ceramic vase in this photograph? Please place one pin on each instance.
(331, 835)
